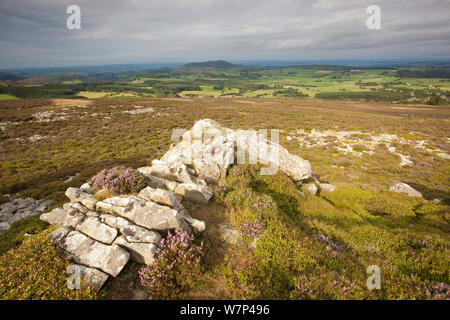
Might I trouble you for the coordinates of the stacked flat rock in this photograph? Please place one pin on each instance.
(100, 237)
(208, 149)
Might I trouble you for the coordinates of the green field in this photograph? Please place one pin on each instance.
(403, 85)
(6, 97)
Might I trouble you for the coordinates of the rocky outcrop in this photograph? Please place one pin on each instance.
(401, 187)
(20, 208)
(101, 236)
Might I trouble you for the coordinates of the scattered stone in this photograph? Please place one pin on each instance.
(76, 195)
(70, 178)
(4, 226)
(229, 235)
(401, 187)
(86, 251)
(327, 187)
(310, 188)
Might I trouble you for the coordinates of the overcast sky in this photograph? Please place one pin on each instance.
(34, 32)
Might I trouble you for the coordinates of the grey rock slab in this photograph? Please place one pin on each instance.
(194, 192)
(310, 188)
(44, 205)
(159, 196)
(114, 221)
(6, 214)
(140, 252)
(97, 230)
(135, 233)
(76, 195)
(157, 182)
(143, 213)
(197, 225)
(69, 206)
(91, 277)
(171, 171)
(327, 187)
(63, 218)
(208, 171)
(58, 235)
(401, 187)
(86, 251)
(4, 226)
(86, 187)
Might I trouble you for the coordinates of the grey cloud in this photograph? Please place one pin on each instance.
(113, 31)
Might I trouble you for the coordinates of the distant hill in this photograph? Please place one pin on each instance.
(208, 65)
(10, 76)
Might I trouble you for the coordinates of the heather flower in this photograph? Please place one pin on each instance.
(252, 229)
(119, 179)
(176, 267)
(328, 242)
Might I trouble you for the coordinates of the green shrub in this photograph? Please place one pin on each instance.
(35, 271)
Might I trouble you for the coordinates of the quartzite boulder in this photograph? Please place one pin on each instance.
(159, 196)
(144, 213)
(97, 230)
(86, 251)
(194, 192)
(77, 195)
(157, 182)
(405, 188)
(140, 252)
(63, 218)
